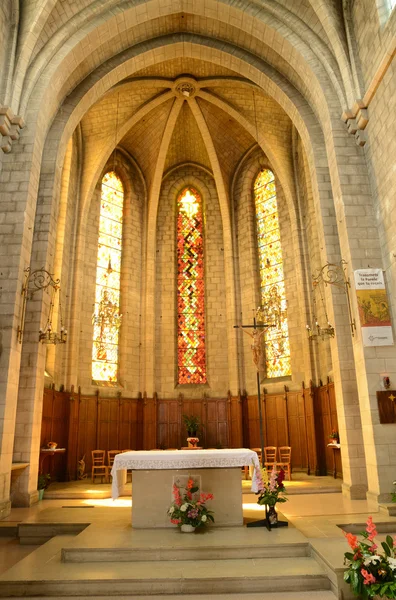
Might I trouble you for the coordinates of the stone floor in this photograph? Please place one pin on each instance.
(314, 518)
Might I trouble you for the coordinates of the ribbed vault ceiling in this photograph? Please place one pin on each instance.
(222, 98)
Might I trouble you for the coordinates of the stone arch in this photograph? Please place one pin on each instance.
(276, 24)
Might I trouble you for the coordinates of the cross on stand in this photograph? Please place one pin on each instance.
(257, 355)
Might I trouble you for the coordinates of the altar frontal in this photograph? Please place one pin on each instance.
(155, 472)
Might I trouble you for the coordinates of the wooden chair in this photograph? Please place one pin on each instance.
(269, 457)
(285, 460)
(111, 454)
(99, 469)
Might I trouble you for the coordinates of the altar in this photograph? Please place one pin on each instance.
(154, 472)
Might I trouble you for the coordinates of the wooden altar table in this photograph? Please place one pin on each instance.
(217, 471)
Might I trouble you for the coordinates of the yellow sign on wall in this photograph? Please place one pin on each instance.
(374, 313)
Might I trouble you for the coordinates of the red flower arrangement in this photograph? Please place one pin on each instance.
(189, 510)
(370, 573)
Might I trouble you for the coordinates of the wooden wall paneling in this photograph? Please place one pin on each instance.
(309, 399)
(281, 420)
(128, 425)
(271, 419)
(162, 424)
(168, 423)
(334, 423)
(245, 421)
(60, 419)
(87, 429)
(323, 429)
(235, 419)
(72, 441)
(140, 423)
(46, 419)
(108, 423)
(149, 422)
(263, 398)
(285, 410)
(253, 422)
(59, 433)
(211, 428)
(297, 430)
(222, 422)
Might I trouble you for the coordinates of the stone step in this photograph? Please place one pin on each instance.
(320, 595)
(210, 552)
(54, 578)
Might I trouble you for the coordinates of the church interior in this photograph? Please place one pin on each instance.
(197, 222)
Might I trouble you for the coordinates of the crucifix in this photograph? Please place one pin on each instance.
(257, 352)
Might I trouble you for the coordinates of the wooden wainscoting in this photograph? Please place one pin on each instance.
(301, 419)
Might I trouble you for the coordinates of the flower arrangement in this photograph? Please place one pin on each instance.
(371, 573)
(271, 488)
(192, 424)
(335, 436)
(190, 508)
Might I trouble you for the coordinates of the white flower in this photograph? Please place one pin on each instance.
(203, 518)
(184, 507)
(392, 563)
(372, 559)
(172, 508)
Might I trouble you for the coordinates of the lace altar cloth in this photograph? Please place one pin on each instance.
(183, 459)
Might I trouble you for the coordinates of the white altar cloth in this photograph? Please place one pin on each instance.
(181, 459)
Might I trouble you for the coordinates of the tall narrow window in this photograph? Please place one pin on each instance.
(107, 319)
(272, 284)
(190, 289)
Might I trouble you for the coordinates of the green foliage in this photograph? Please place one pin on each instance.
(192, 424)
(43, 481)
(371, 573)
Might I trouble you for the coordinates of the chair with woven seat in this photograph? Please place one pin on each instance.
(99, 469)
(111, 454)
(269, 457)
(285, 460)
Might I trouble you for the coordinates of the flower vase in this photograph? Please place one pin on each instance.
(41, 494)
(186, 528)
(192, 442)
(272, 516)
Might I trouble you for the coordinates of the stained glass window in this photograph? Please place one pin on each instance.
(107, 318)
(190, 289)
(272, 284)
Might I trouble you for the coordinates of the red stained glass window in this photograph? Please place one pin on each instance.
(190, 289)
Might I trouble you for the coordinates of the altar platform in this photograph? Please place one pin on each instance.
(93, 552)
